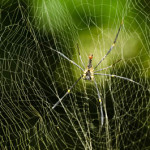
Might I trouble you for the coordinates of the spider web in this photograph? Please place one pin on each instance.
(33, 77)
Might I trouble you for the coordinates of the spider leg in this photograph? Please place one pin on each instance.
(68, 91)
(80, 56)
(108, 66)
(100, 101)
(67, 58)
(124, 78)
(111, 46)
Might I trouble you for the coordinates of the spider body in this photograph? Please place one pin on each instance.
(89, 72)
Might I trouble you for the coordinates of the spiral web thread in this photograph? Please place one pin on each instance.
(33, 77)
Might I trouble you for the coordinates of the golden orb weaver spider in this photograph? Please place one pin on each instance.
(88, 74)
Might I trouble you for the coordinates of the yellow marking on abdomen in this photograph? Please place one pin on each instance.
(68, 91)
(92, 77)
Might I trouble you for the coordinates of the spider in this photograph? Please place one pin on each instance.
(88, 73)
